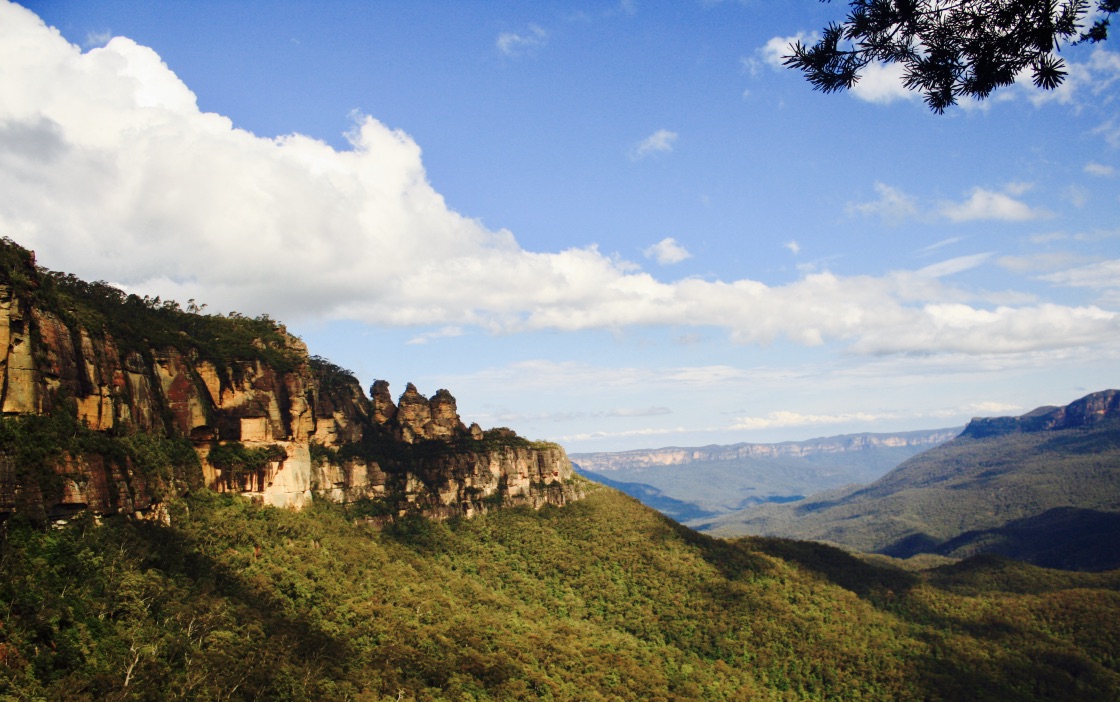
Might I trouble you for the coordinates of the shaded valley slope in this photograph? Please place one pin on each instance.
(1043, 487)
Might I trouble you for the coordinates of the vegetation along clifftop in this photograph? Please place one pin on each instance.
(113, 402)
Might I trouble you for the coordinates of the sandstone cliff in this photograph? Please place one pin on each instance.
(1086, 412)
(263, 418)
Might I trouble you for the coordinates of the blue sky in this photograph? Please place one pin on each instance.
(613, 225)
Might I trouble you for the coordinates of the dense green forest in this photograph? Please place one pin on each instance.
(603, 599)
(1048, 497)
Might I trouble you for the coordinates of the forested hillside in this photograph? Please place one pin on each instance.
(1044, 487)
(602, 599)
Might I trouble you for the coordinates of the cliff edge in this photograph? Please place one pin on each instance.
(114, 403)
(1086, 412)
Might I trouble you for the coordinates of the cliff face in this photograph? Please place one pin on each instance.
(264, 419)
(674, 456)
(1089, 410)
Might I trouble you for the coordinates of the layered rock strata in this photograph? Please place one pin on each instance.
(323, 437)
(1093, 409)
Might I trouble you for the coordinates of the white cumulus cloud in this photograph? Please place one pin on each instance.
(667, 251)
(108, 169)
(987, 204)
(878, 82)
(881, 83)
(774, 51)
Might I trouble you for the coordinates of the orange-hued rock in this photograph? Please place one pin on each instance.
(365, 447)
(384, 410)
(21, 377)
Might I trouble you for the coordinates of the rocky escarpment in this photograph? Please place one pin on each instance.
(1088, 411)
(128, 382)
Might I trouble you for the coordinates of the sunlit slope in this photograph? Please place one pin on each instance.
(602, 599)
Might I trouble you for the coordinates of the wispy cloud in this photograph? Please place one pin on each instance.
(990, 205)
(617, 413)
(1036, 263)
(793, 246)
(784, 418)
(1076, 195)
(659, 142)
(629, 433)
(953, 266)
(639, 412)
(444, 333)
(1109, 130)
(667, 251)
(1099, 169)
(942, 244)
(991, 408)
(893, 205)
(97, 39)
(1101, 275)
(518, 44)
(541, 374)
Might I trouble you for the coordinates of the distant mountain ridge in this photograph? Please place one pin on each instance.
(700, 483)
(1090, 410)
(678, 456)
(1042, 487)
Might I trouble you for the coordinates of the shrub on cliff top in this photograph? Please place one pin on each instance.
(145, 323)
(235, 459)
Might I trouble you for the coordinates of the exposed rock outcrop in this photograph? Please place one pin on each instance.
(1089, 410)
(267, 420)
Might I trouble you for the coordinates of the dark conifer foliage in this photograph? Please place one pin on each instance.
(952, 48)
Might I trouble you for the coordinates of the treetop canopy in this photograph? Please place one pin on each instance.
(952, 48)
